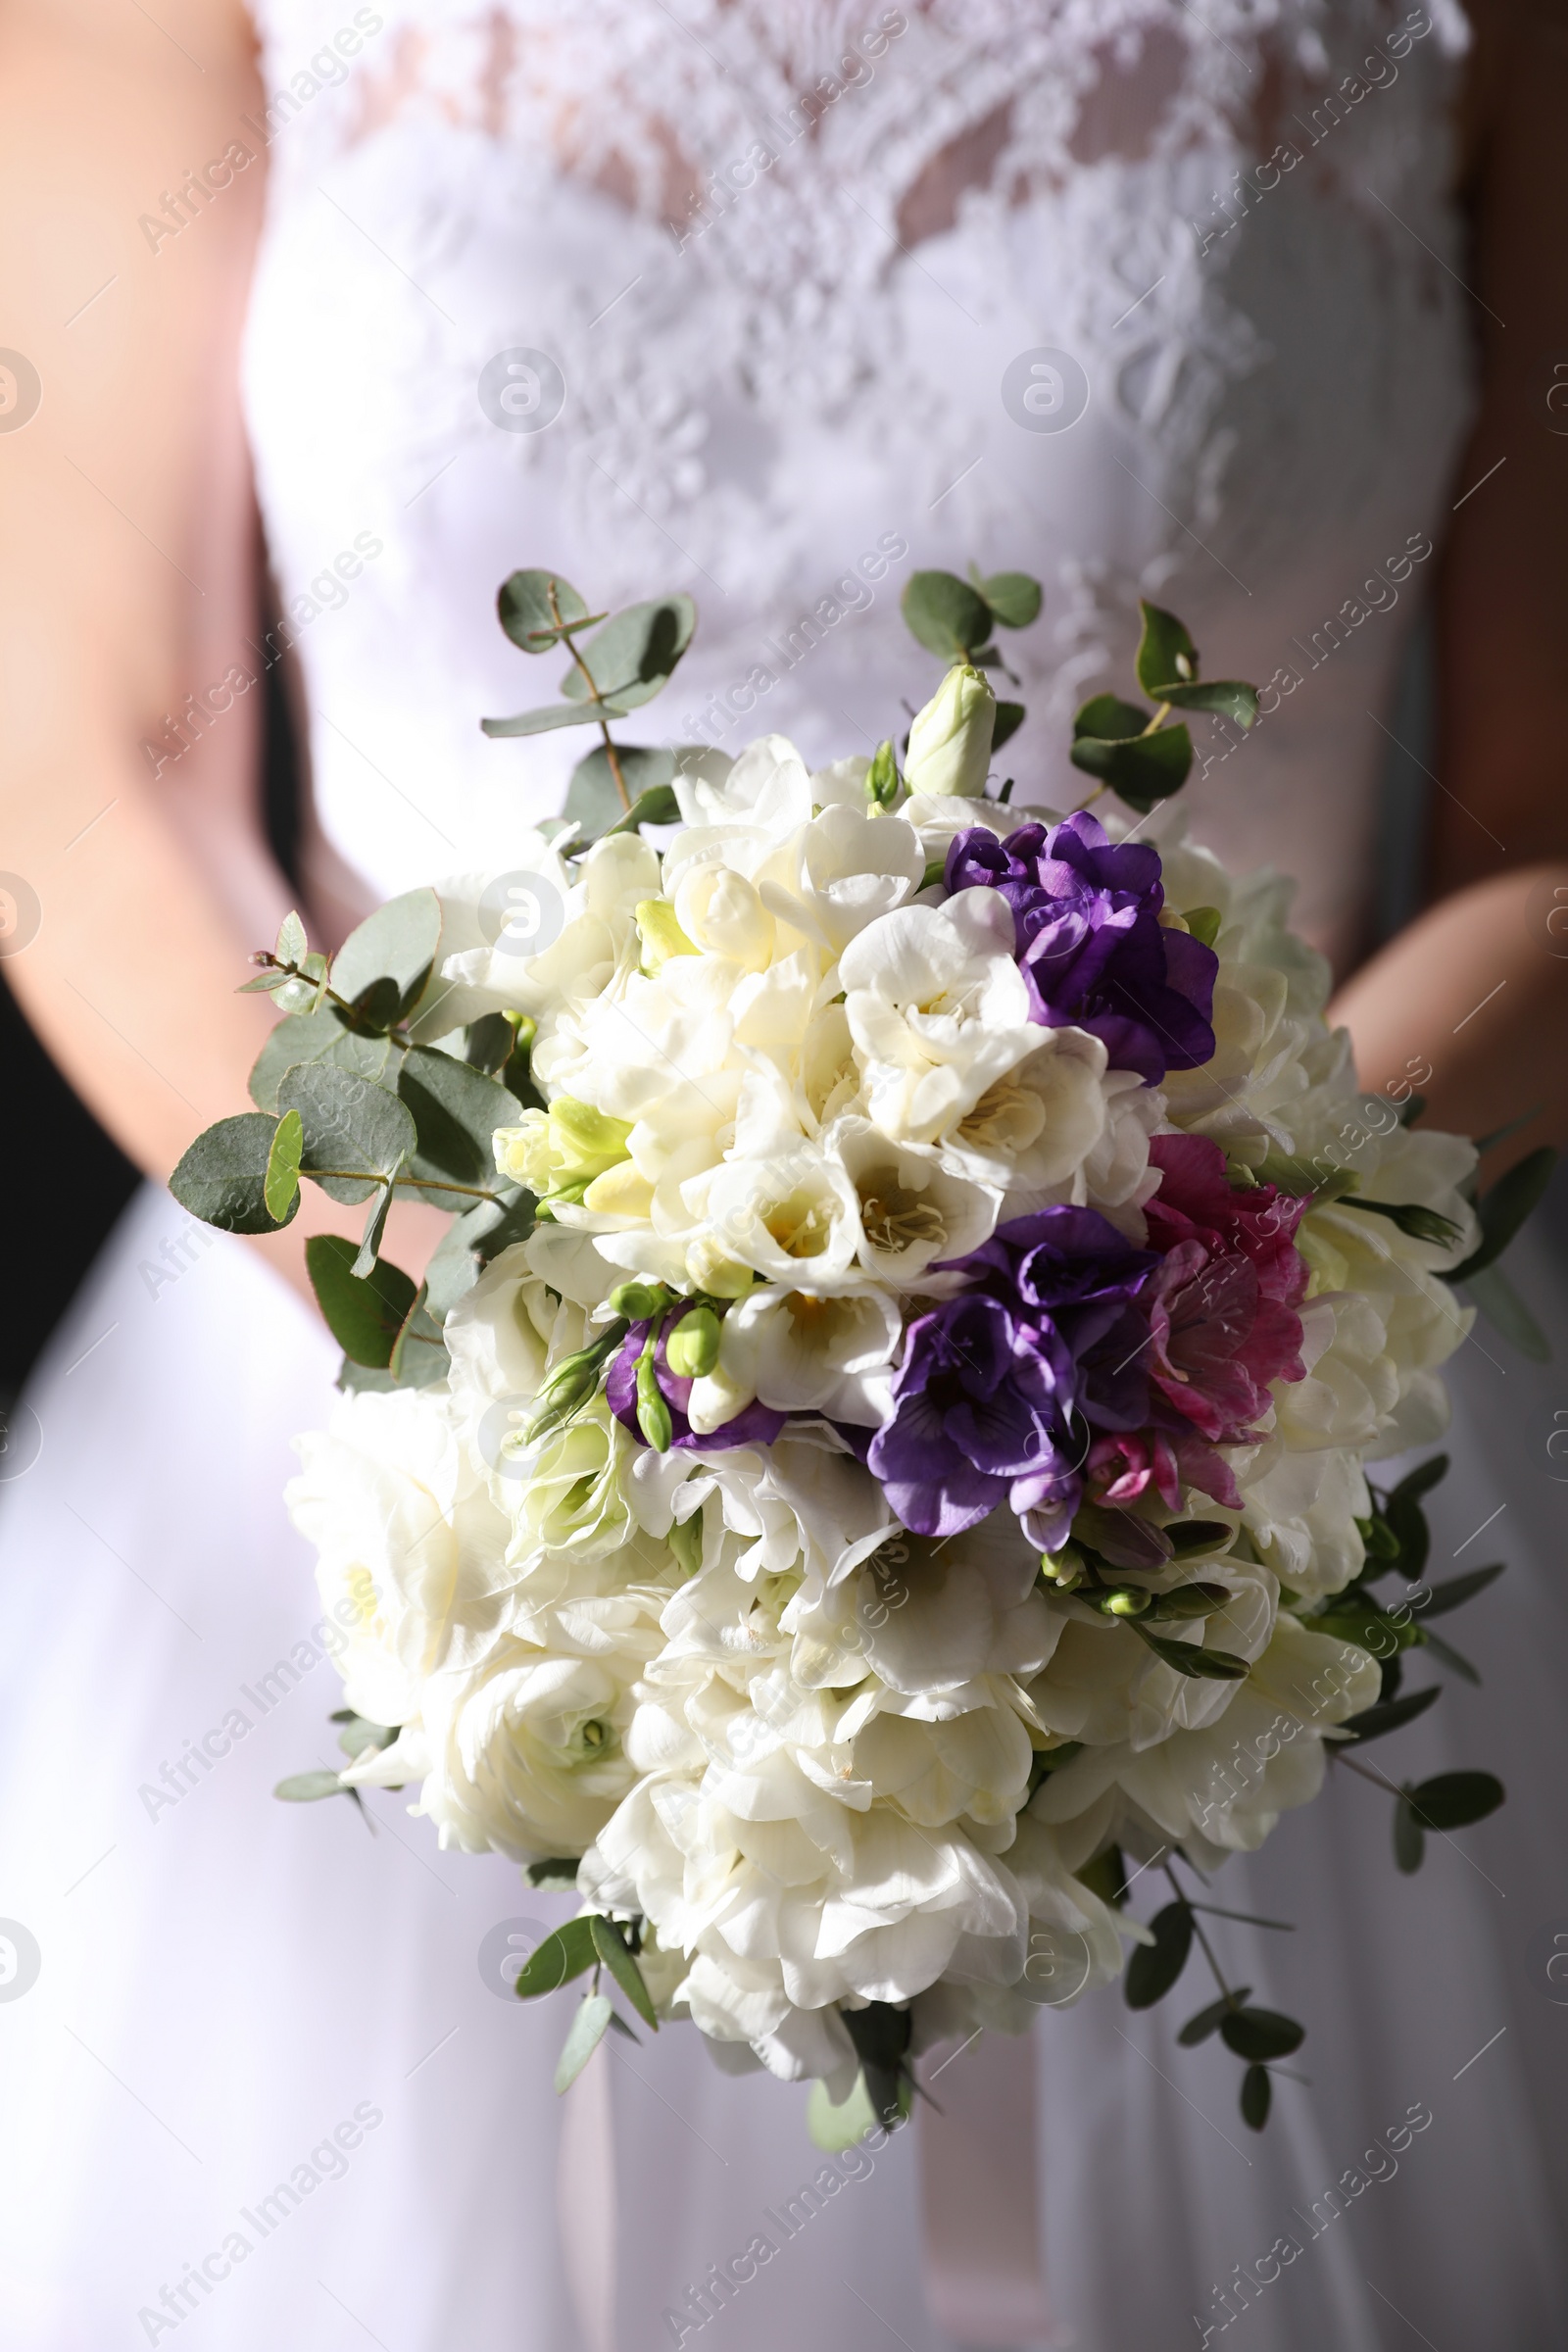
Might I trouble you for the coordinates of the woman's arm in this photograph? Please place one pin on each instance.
(1479, 984)
(126, 520)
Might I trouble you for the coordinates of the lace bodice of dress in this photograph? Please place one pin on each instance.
(791, 266)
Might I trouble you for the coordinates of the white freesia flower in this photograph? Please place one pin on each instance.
(801, 1352)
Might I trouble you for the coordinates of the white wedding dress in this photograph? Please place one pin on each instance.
(985, 301)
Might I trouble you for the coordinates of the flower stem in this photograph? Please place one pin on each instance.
(587, 675)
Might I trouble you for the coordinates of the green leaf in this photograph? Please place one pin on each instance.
(1166, 655)
(552, 716)
(222, 1177)
(946, 614)
(1455, 1591)
(610, 1945)
(1451, 1800)
(1006, 720)
(1107, 1875)
(303, 1788)
(631, 657)
(562, 1954)
(314, 1037)
(1256, 2092)
(1013, 596)
(1421, 1480)
(359, 1734)
(1494, 1294)
(1409, 1845)
(1155, 1967)
(351, 1124)
(558, 1873)
(1357, 1618)
(1209, 1665)
(588, 2030)
(456, 1110)
(364, 1315)
(522, 607)
(1229, 697)
(658, 806)
(292, 945)
(1144, 771)
(1390, 1714)
(471, 1241)
(280, 1187)
(1499, 1135)
(592, 800)
(1504, 1209)
(1452, 1658)
(420, 1351)
(1106, 718)
(1208, 2020)
(397, 943)
(1261, 2034)
(1204, 922)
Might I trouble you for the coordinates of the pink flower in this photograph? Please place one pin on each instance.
(1222, 1319)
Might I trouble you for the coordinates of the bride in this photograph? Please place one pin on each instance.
(775, 305)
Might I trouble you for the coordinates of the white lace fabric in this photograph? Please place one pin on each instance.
(782, 257)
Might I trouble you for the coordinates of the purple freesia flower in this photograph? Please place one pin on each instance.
(1003, 1386)
(1091, 945)
(756, 1425)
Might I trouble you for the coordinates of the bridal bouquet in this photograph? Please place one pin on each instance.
(878, 1457)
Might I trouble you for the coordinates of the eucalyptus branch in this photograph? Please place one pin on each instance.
(1188, 1904)
(419, 1184)
(589, 680)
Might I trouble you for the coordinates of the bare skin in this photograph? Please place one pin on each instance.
(125, 510)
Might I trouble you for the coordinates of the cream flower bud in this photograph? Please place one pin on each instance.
(949, 742)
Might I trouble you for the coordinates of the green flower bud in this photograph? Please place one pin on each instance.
(692, 1349)
(949, 742)
(639, 1302)
(1064, 1568)
(570, 1383)
(1188, 1601)
(652, 1413)
(1126, 1602)
(882, 780)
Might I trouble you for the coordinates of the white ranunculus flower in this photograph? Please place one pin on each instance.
(525, 1750)
(409, 1541)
